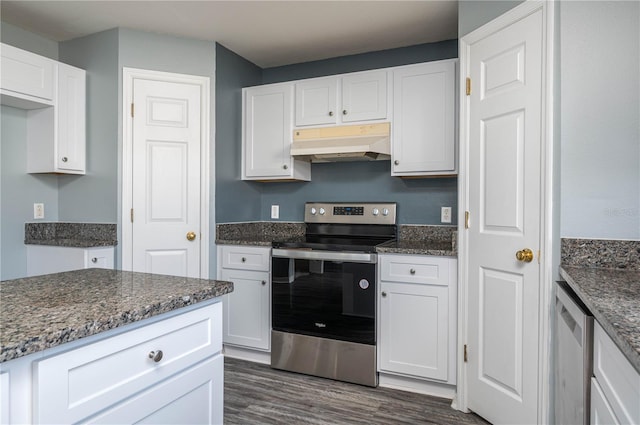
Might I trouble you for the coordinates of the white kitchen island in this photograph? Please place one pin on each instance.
(107, 346)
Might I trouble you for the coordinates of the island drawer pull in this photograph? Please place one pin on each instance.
(156, 356)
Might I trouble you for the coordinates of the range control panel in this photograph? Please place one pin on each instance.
(350, 213)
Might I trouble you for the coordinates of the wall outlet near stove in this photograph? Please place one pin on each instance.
(445, 215)
(38, 211)
(275, 211)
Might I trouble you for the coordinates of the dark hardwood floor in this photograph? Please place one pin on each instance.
(257, 394)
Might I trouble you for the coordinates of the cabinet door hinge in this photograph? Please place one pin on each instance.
(468, 86)
(467, 217)
(465, 354)
(132, 215)
(132, 110)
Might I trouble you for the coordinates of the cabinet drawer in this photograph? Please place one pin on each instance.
(74, 385)
(415, 269)
(27, 73)
(246, 258)
(601, 413)
(619, 381)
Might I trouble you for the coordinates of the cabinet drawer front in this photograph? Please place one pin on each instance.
(99, 258)
(619, 381)
(76, 384)
(27, 73)
(193, 396)
(601, 413)
(415, 269)
(246, 258)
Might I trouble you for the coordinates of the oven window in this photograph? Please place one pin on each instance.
(324, 298)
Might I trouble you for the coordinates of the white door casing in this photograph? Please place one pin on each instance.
(165, 173)
(505, 149)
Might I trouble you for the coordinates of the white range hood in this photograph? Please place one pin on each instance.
(369, 142)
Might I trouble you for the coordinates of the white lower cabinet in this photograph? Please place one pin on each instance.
(45, 259)
(615, 389)
(170, 371)
(417, 320)
(247, 310)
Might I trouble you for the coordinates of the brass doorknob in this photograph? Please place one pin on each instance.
(525, 255)
(191, 236)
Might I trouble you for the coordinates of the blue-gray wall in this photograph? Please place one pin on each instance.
(238, 200)
(472, 14)
(419, 200)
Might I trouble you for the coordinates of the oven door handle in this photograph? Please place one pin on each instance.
(351, 257)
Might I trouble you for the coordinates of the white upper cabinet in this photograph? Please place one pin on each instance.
(54, 95)
(26, 74)
(423, 139)
(334, 100)
(267, 135)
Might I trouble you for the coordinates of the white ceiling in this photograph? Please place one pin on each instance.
(268, 33)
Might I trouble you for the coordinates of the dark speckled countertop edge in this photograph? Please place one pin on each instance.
(598, 305)
(101, 300)
(72, 243)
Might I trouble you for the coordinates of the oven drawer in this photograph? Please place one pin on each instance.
(246, 257)
(415, 269)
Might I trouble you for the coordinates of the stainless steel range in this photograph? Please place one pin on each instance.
(324, 292)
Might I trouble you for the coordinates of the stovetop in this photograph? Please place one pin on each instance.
(358, 227)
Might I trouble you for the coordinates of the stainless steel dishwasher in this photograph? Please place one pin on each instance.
(573, 358)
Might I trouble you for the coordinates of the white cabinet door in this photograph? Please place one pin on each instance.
(267, 135)
(70, 115)
(414, 322)
(316, 101)
(364, 96)
(601, 412)
(423, 131)
(25, 73)
(193, 396)
(247, 310)
(44, 259)
(4, 398)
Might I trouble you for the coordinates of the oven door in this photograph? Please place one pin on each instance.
(324, 294)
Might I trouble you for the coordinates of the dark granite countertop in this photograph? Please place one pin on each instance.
(71, 235)
(417, 247)
(613, 296)
(42, 312)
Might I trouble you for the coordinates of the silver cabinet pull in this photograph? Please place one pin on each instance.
(244, 260)
(344, 112)
(94, 260)
(156, 356)
(285, 166)
(412, 271)
(384, 294)
(64, 159)
(264, 282)
(396, 162)
(330, 113)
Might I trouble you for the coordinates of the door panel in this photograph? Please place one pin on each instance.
(505, 204)
(166, 178)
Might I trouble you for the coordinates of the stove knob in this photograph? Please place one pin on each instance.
(313, 211)
(321, 211)
(385, 212)
(375, 211)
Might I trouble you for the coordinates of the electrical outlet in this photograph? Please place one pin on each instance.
(275, 211)
(445, 215)
(38, 211)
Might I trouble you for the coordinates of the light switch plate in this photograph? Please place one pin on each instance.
(275, 211)
(445, 215)
(38, 211)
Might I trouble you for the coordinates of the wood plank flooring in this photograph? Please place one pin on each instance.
(257, 394)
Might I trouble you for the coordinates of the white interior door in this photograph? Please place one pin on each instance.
(504, 198)
(166, 178)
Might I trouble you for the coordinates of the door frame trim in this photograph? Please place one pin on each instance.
(549, 211)
(128, 77)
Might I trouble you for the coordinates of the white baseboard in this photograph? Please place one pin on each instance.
(415, 385)
(248, 354)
